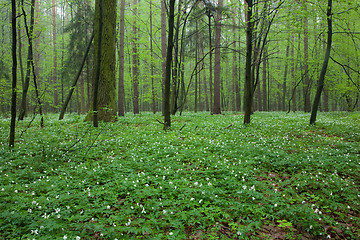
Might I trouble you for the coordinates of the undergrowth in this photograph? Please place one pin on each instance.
(209, 177)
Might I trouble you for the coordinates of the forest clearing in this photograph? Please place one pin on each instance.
(207, 177)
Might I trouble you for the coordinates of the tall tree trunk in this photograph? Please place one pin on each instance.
(248, 86)
(152, 62)
(175, 86)
(82, 94)
(307, 104)
(324, 66)
(37, 43)
(22, 76)
(196, 70)
(104, 64)
(238, 86)
(54, 78)
(121, 90)
(135, 63)
(14, 69)
(99, 22)
(205, 90)
(293, 73)
(264, 84)
(88, 78)
(29, 32)
(217, 65)
(167, 120)
(210, 64)
(284, 92)
(163, 52)
(234, 67)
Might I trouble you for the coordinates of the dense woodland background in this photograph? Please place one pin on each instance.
(208, 64)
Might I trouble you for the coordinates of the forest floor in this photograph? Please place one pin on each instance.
(209, 177)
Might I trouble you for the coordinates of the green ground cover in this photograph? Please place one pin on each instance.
(209, 177)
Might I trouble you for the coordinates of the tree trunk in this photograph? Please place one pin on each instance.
(284, 79)
(210, 65)
(121, 90)
(14, 69)
(29, 32)
(293, 73)
(104, 65)
(324, 66)
(175, 85)
(237, 88)
(196, 69)
(217, 64)
(307, 106)
(264, 85)
(248, 86)
(22, 76)
(135, 63)
(88, 78)
(163, 52)
(201, 36)
(234, 67)
(167, 120)
(54, 77)
(82, 93)
(152, 62)
(37, 43)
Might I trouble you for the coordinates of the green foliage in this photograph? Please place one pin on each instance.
(209, 180)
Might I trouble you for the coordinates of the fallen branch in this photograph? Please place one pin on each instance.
(182, 127)
(160, 121)
(229, 126)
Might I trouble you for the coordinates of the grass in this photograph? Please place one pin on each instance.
(209, 177)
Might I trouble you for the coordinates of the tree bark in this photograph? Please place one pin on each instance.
(99, 6)
(248, 86)
(234, 67)
(324, 66)
(37, 43)
(29, 32)
(54, 77)
(293, 73)
(264, 84)
(14, 76)
(135, 63)
(167, 120)
(152, 62)
(121, 90)
(163, 51)
(307, 106)
(196, 68)
(284, 90)
(210, 64)
(82, 93)
(104, 64)
(205, 90)
(217, 63)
